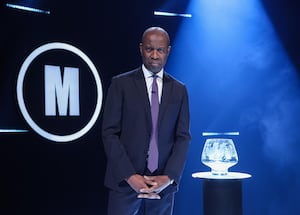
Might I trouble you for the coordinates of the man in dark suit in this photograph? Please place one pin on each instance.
(130, 123)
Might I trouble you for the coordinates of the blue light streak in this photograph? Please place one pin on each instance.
(160, 13)
(12, 131)
(234, 133)
(20, 7)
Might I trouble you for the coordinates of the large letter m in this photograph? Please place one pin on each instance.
(62, 92)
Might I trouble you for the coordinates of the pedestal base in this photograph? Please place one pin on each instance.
(222, 197)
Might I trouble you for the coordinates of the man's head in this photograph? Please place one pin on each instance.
(155, 48)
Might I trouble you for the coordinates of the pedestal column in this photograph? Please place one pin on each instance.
(222, 194)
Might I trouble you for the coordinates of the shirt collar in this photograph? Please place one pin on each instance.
(148, 73)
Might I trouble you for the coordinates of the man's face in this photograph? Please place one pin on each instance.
(155, 50)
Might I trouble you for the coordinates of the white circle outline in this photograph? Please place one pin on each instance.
(20, 98)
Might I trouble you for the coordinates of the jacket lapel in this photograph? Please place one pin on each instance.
(140, 84)
(166, 94)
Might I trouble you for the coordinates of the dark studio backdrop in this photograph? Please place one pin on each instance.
(241, 70)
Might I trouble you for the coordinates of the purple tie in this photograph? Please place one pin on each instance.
(153, 149)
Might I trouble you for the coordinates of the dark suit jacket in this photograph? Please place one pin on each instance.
(126, 129)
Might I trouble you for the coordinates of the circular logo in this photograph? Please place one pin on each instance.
(53, 136)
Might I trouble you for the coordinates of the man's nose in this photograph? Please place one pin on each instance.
(154, 54)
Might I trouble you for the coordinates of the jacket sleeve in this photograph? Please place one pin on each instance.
(119, 164)
(177, 160)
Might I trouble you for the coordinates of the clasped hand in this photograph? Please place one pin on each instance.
(149, 187)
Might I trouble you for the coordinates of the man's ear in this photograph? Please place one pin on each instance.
(141, 48)
(169, 49)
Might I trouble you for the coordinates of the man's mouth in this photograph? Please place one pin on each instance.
(155, 63)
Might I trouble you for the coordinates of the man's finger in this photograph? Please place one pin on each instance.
(148, 196)
(150, 180)
(151, 183)
(146, 190)
(149, 177)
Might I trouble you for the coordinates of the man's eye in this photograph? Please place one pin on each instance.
(161, 50)
(149, 49)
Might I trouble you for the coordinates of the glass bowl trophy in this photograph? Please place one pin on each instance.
(219, 154)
